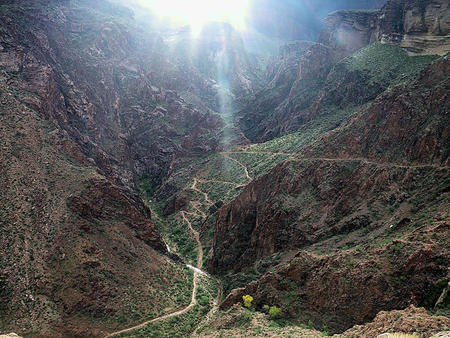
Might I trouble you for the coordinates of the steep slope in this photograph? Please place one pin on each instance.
(407, 124)
(108, 84)
(325, 89)
(76, 248)
(89, 103)
(419, 28)
(377, 183)
(260, 105)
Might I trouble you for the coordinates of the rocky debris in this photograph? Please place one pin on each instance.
(10, 335)
(412, 320)
(444, 334)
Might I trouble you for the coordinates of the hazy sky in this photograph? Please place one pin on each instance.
(286, 19)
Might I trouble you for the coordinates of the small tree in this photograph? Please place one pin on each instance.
(275, 312)
(247, 301)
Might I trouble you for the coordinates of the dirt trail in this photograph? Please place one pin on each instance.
(173, 314)
(365, 160)
(197, 238)
(194, 187)
(243, 166)
(194, 290)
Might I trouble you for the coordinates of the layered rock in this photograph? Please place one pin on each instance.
(421, 27)
(348, 31)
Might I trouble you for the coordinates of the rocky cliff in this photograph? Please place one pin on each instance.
(107, 85)
(421, 27)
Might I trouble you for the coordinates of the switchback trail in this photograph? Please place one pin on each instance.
(243, 166)
(194, 187)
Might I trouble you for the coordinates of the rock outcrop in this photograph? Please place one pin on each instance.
(351, 287)
(348, 31)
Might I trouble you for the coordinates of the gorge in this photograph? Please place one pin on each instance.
(315, 180)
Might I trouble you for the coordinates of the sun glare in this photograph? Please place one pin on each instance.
(197, 12)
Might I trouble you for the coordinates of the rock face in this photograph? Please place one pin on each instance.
(300, 21)
(102, 201)
(303, 202)
(258, 108)
(110, 89)
(313, 68)
(348, 31)
(421, 27)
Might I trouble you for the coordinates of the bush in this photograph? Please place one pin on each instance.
(203, 300)
(275, 312)
(247, 301)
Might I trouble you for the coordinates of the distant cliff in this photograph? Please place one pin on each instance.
(421, 27)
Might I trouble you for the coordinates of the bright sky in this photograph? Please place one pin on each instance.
(197, 12)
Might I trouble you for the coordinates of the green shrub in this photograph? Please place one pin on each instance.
(275, 312)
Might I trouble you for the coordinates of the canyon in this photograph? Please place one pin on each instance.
(316, 180)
